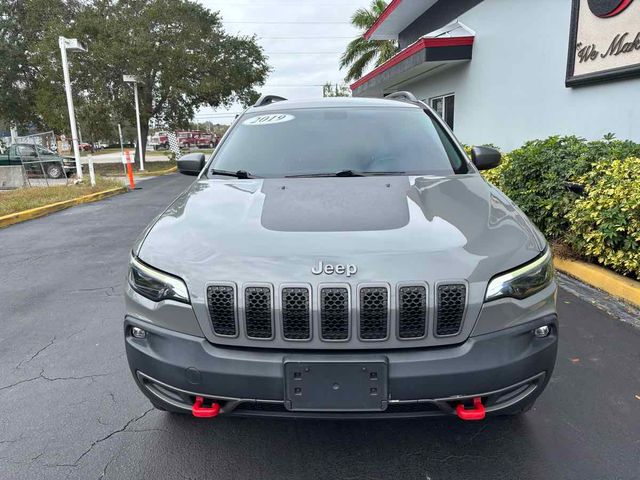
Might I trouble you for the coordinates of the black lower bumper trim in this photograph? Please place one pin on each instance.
(485, 363)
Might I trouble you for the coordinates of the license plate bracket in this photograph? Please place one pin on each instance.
(336, 386)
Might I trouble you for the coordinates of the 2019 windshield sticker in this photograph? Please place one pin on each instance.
(269, 119)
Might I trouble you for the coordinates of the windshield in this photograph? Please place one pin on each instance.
(44, 151)
(331, 140)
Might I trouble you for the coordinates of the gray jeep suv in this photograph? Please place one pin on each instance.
(341, 258)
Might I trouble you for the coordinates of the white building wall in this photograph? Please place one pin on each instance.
(513, 89)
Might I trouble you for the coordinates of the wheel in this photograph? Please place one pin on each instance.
(166, 146)
(54, 171)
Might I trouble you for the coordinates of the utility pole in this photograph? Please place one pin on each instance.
(134, 80)
(122, 149)
(72, 45)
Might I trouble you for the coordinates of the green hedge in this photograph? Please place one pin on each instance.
(604, 225)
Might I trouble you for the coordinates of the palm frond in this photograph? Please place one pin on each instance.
(357, 68)
(361, 52)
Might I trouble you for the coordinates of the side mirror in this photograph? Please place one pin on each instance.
(485, 158)
(191, 164)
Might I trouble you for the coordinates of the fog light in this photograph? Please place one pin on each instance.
(138, 332)
(542, 332)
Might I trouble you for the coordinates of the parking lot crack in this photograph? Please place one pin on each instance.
(26, 380)
(51, 342)
(55, 379)
(108, 436)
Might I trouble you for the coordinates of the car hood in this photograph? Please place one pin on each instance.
(393, 228)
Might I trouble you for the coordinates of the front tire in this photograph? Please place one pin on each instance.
(54, 171)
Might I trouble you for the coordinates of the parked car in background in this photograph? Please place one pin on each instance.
(85, 147)
(35, 159)
(186, 139)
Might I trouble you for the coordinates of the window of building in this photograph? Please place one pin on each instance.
(444, 106)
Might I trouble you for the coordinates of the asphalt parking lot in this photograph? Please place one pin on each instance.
(69, 408)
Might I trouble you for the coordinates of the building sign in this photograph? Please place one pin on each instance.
(604, 42)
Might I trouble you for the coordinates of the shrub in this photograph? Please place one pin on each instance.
(605, 225)
(495, 174)
(535, 175)
(534, 178)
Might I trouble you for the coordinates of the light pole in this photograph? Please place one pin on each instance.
(134, 80)
(72, 45)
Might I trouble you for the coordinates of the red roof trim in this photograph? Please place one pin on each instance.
(411, 50)
(383, 16)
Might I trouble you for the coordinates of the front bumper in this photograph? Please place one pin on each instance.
(505, 368)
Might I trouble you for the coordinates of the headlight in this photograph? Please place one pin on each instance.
(523, 281)
(156, 285)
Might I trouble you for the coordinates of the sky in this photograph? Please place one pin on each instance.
(302, 38)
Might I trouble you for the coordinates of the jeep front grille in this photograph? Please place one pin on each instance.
(334, 313)
(374, 313)
(222, 309)
(451, 304)
(258, 312)
(296, 314)
(412, 312)
(397, 315)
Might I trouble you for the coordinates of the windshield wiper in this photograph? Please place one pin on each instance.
(346, 173)
(243, 174)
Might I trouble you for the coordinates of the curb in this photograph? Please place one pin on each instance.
(159, 172)
(32, 213)
(145, 174)
(601, 278)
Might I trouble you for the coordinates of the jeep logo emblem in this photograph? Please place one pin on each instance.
(339, 269)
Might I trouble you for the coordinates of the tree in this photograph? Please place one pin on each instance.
(360, 53)
(335, 90)
(22, 27)
(177, 49)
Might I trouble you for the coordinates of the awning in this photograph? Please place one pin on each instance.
(398, 15)
(432, 53)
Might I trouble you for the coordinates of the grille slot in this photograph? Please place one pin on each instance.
(374, 313)
(295, 314)
(412, 312)
(222, 309)
(257, 312)
(451, 304)
(334, 313)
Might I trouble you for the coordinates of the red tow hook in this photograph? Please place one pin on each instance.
(204, 412)
(475, 413)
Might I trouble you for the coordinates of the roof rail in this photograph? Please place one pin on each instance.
(267, 100)
(406, 96)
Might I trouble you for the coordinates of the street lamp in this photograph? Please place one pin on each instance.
(72, 45)
(134, 80)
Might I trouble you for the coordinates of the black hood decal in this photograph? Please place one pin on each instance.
(335, 204)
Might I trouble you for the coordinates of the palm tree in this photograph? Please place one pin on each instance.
(362, 52)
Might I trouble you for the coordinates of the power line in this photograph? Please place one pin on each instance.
(289, 23)
(304, 53)
(307, 38)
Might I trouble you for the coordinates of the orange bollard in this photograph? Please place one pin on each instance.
(132, 183)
